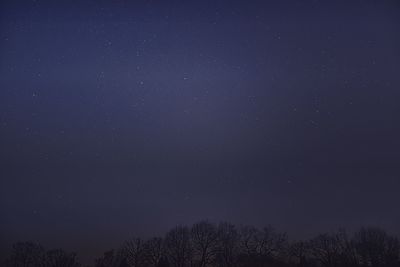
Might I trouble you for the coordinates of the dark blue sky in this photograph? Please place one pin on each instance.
(125, 118)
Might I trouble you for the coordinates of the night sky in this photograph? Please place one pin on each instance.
(125, 118)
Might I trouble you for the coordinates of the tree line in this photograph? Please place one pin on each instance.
(205, 244)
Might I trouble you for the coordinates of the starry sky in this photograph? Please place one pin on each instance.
(123, 118)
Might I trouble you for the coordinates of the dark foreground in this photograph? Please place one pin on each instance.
(225, 245)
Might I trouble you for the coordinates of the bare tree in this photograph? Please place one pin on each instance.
(154, 249)
(348, 256)
(266, 243)
(178, 246)
(111, 259)
(60, 258)
(376, 248)
(260, 248)
(228, 245)
(208, 245)
(333, 249)
(205, 240)
(249, 240)
(27, 254)
(324, 248)
(133, 251)
(272, 244)
(299, 252)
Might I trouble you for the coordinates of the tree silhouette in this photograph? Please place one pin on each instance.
(155, 252)
(205, 244)
(178, 247)
(133, 251)
(298, 253)
(228, 248)
(59, 258)
(325, 249)
(376, 248)
(111, 259)
(27, 254)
